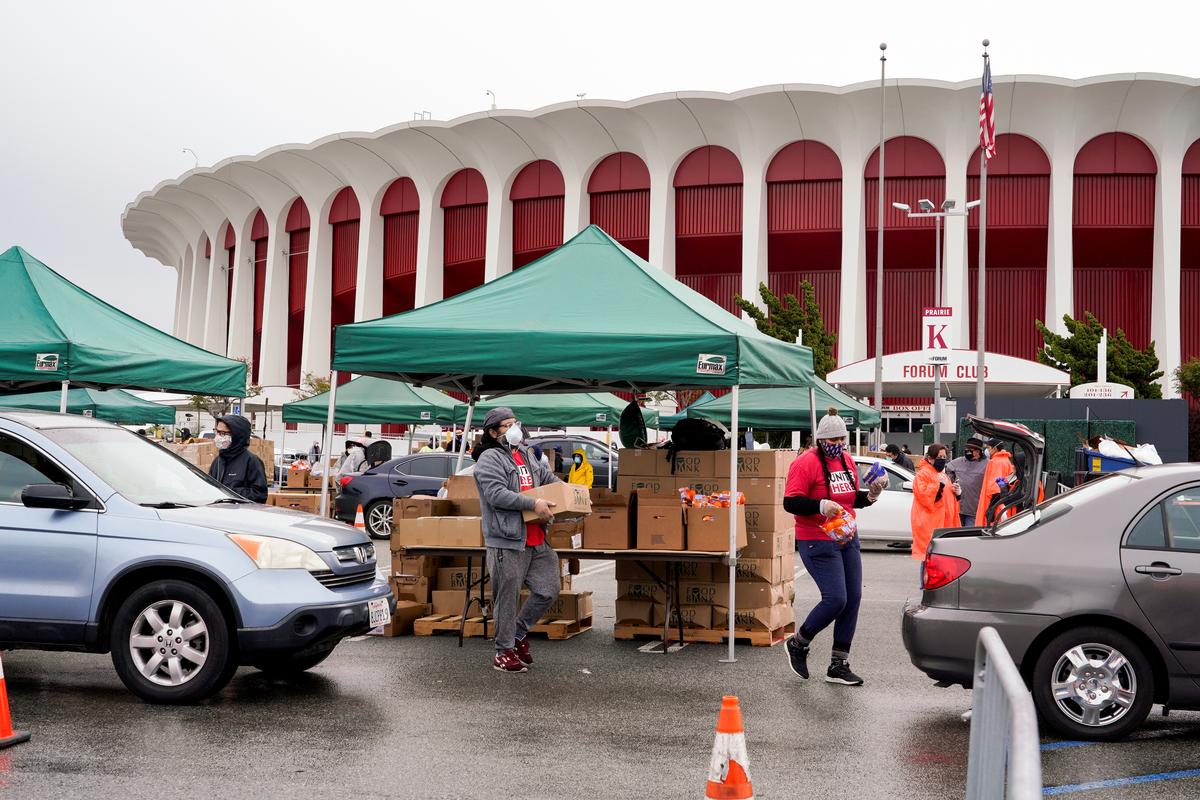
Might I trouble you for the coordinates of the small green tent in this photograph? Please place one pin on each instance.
(574, 409)
(53, 331)
(785, 409)
(114, 405)
(668, 421)
(370, 401)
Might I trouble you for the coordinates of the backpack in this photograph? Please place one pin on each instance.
(377, 453)
(632, 426)
(694, 433)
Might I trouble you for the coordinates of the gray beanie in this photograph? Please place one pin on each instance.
(831, 426)
(496, 416)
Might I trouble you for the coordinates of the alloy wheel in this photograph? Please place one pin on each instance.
(1093, 684)
(379, 520)
(169, 643)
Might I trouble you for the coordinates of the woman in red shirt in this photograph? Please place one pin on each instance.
(822, 483)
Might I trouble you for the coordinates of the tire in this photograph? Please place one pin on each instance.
(1105, 684)
(291, 663)
(378, 516)
(156, 613)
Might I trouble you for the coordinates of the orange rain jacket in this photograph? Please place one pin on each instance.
(929, 512)
(1000, 465)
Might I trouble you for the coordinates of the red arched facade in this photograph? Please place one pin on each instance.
(619, 200)
(1113, 233)
(1018, 199)
(297, 228)
(804, 224)
(537, 198)
(1189, 255)
(344, 218)
(464, 228)
(401, 213)
(708, 224)
(258, 235)
(914, 171)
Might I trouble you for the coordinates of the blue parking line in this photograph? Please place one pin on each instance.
(1048, 746)
(1072, 788)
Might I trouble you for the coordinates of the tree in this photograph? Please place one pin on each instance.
(1076, 353)
(786, 317)
(1187, 381)
(312, 385)
(217, 406)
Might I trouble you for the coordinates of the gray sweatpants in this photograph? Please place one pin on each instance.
(534, 567)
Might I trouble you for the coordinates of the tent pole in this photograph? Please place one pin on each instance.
(328, 443)
(733, 508)
(812, 413)
(462, 451)
(609, 443)
(62, 399)
(282, 450)
(411, 430)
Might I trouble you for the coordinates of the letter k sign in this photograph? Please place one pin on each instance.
(935, 337)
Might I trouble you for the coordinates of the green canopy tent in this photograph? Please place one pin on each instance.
(668, 421)
(642, 331)
(114, 405)
(786, 409)
(54, 335)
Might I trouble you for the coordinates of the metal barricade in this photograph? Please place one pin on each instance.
(1004, 760)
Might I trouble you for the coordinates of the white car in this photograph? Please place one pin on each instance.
(887, 522)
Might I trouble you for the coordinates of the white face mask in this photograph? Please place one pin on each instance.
(223, 441)
(513, 435)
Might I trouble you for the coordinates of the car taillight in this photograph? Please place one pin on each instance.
(345, 479)
(942, 570)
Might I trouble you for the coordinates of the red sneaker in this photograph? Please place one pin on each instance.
(507, 661)
(521, 648)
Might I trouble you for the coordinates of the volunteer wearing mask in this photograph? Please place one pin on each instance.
(935, 500)
(821, 484)
(235, 467)
(517, 552)
(581, 470)
(999, 465)
(967, 471)
(899, 458)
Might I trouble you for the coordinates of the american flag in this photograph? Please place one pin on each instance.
(987, 113)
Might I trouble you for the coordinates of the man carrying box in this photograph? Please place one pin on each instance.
(517, 552)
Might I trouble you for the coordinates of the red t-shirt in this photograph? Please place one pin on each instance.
(806, 478)
(534, 534)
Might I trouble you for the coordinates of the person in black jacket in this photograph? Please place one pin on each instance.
(235, 467)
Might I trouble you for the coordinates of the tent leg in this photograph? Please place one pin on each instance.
(733, 487)
(282, 450)
(411, 430)
(328, 443)
(462, 451)
(610, 460)
(62, 399)
(812, 414)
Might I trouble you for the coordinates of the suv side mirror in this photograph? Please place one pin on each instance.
(52, 495)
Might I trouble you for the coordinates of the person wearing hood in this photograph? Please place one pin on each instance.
(899, 457)
(235, 466)
(999, 465)
(822, 484)
(517, 552)
(581, 470)
(935, 500)
(967, 471)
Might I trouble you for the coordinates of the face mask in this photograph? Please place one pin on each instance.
(939, 464)
(578, 461)
(223, 441)
(969, 455)
(513, 435)
(831, 449)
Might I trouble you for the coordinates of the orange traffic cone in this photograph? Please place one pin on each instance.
(360, 521)
(728, 774)
(8, 737)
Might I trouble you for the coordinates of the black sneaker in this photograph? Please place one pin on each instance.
(797, 657)
(839, 672)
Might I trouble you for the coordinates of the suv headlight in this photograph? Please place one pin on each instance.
(268, 552)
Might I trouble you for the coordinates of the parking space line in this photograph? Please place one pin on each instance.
(1048, 746)
(1111, 783)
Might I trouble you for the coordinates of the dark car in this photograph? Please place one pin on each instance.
(1091, 592)
(374, 490)
(597, 452)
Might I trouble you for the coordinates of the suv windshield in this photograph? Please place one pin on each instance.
(1049, 509)
(138, 469)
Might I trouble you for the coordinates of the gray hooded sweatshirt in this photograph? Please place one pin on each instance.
(500, 494)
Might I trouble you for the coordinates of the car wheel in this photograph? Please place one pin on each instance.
(291, 663)
(379, 519)
(1093, 683)
(170, 643)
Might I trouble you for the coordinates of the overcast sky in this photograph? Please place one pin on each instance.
(98, 99)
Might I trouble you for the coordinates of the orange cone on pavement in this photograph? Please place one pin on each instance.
(728, 771)
(360, 521)
(8, 737)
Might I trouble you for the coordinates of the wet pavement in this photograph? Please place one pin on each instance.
(420, 718)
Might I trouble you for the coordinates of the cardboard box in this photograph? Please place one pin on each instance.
(570, 605)
(450, 601)
(421, 565)
(756, 594)
(646, 589)
(608, 526)
(659, 522)
(635, 612)
(296, 478)
(407, 612)
(697, 571)
(768, 517)
(647, 484)
(565, 535)
(775, 569)
(420, 506)
(643, 462)
(457, 577)
(696, 593)
(694, 616)
(708, 528)
(767, 545)
(698, 463)
(412, 587)
(763, 464)
(767, 618)
(702, 485)
(762, 491)
(462, 491)
(308, 503)
(569, 499)
(438, 532)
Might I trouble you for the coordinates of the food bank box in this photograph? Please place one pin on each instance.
(766, 618)
(420, 506)
(647, 484)
(568, 499)
(643, 462)
(608, 526)
(308, 503)
(462, 491)
(708, 528)
(635, 612)
(692, 616)
(659, 522)
(439, 532)
(566, 535)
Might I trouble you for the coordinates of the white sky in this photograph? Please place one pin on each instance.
(99, 99)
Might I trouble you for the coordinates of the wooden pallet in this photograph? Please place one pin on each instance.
(759, 638)
(449, 623)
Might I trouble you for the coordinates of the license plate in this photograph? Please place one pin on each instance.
(378, 609)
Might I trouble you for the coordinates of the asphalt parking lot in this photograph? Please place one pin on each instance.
(420, 718)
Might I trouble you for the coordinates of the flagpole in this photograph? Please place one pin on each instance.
(980, 388)
(878, 254)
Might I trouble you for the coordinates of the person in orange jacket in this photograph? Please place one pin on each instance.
(1000, 465)
(935, 501)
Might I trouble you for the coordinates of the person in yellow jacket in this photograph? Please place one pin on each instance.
(581, 470)
(935, 499)
(1000, 465)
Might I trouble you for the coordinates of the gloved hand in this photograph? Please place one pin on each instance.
(875, 489)
(830, 509)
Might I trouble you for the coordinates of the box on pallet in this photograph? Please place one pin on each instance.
(567, 499)
(635, 612)
(420, 506)
(572, 605)
(644, 484)
(774, 569)
(457, 577)
(757, 594)
(438, 532)
(420, 565)
(407, 612)
(764, 463)
(565, 535)
(608, 526)
(412, 587)
(708, 528)
(644, 462)
(462, 491)
(770, 517)
(647, 589)
(693, 616)
(308, 503)
(450, 601)
(659, 522)
(700, 571)
(767, 618)
(699, 592)
(765, 545)
(296, 478)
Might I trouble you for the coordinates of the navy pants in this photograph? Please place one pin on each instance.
(837, 571)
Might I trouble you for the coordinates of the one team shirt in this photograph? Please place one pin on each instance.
(807, 479)
(534, 534)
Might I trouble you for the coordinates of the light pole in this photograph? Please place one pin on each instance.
(927, 210)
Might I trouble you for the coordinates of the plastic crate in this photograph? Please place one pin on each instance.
(1087, 460)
